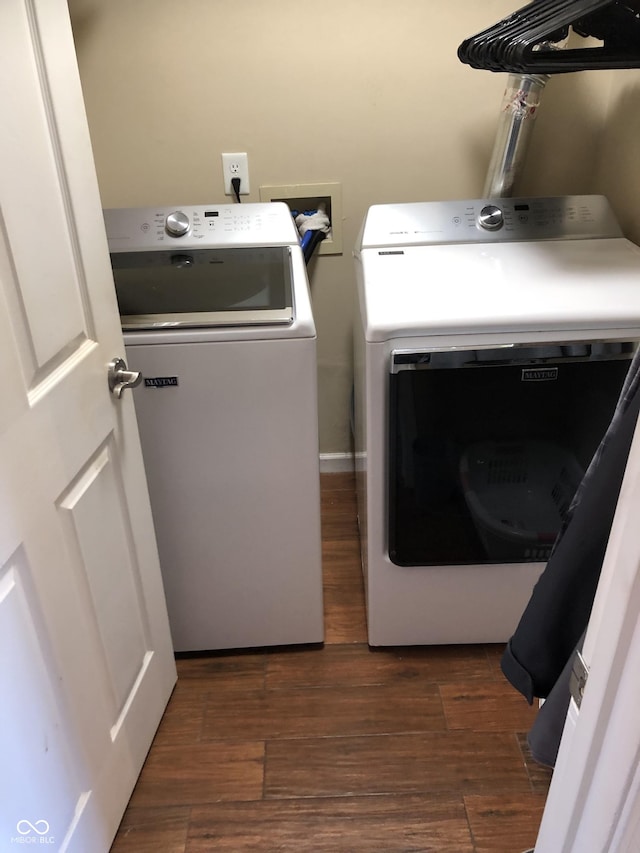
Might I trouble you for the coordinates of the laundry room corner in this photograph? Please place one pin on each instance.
(376, 102)
(618, 174)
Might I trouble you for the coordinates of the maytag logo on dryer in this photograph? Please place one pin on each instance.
(160, 381)
(539, 374)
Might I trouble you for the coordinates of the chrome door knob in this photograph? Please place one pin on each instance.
(120, 377)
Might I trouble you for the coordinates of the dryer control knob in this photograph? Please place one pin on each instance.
(491, 218)
(176, 224)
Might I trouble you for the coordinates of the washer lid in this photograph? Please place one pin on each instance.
(203, 266)
(527, 286)
(204, 287)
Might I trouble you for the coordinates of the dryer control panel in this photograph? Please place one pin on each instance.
(489, 220)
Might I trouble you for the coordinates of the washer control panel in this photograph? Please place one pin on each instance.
(233, 225)
(488, 220)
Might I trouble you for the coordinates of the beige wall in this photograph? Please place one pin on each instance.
(618, 174)
(370, 94)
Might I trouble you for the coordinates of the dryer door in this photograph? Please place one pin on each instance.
(487, 447)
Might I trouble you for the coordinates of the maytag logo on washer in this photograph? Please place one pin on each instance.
(539, 374)
(160, 381)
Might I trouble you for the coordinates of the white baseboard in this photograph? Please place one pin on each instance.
(336, 463)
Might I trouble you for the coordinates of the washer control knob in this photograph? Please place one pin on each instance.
(176, 224)
(491, 218)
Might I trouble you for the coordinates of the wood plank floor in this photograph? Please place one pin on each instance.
(340, 748)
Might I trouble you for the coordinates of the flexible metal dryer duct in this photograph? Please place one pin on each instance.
(519, 110)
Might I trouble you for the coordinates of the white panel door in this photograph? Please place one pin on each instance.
(594, 800)
(86, 662)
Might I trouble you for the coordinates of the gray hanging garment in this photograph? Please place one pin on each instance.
(546, 731)
(558, 611)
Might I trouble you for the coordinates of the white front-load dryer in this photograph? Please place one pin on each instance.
(491, 341)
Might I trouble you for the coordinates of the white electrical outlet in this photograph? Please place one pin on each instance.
(235, 166)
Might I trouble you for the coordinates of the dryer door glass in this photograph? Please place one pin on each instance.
(487, 447)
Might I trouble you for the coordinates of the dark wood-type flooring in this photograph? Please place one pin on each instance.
(340, 748)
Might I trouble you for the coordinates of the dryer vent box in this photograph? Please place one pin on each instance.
(303, 197)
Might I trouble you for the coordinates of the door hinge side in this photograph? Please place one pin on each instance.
(579, 676)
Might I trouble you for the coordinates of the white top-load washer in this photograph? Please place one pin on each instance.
(491, 340)
(216, 314)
